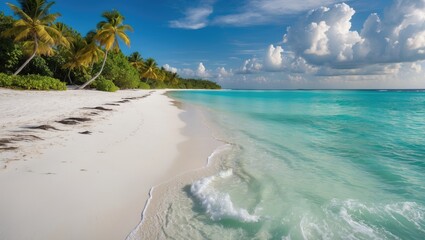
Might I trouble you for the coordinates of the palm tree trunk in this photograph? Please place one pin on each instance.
(29, 59)
(69, 76)
(98, 74)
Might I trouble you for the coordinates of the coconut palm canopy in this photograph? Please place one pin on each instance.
(35, 28)
(107, 35)
(112, 29)
(150, 69)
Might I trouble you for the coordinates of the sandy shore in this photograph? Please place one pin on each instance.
(89, 178)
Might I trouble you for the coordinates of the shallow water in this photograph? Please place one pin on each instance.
(307, 165)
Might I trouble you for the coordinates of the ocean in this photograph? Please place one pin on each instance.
(306, 165)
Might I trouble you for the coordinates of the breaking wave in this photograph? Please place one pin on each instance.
(219, 205)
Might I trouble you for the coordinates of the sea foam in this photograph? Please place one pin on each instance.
(219, 205)
(354, 214)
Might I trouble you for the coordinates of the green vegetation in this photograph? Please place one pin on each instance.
(107, 35)
(43, 50)
(119, 70)
(31, 82)
(35, 29)
(143, 85)
(105, 85)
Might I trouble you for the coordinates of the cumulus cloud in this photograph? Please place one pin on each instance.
(195, 18)
(169, 68)
(199, 72)
(273, 59)
(324, 37)
(323, 44)
(202, 72)
(276, 59)
(252, 65)
(222, 73)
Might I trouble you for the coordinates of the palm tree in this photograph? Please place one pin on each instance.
(66, 34)
(107, 36)
(62, 52)
(35, 29)
(150, 70)
(92, 53)
(137, 62)
(174, 79)
(76, 57)
(135, 59)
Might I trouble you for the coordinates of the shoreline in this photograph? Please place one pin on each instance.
(196, 128)
(69, 185)
(198, 138)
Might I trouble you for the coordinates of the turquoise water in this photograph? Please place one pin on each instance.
(308, 165)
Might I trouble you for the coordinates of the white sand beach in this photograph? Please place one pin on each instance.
(89, 180)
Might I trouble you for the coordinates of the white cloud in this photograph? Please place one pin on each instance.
(222, 73)
(256, 12)
(319, 39)
(416, 42)
(416, 67)
(323, 44)
(276, 59)
(169, 68)
(252, 12)
(195, 18)
(273, 59)
(250, 66)
(219, 74)
(396, 76)
(324, 37)
(288, 7)
(202, 71)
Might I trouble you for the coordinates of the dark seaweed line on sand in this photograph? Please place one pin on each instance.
(8, 144)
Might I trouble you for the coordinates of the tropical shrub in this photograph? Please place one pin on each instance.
(158, 85)
(31, 82)
(105, 85)
(6, 80)
(119, 70)
(143, 85)
(38, 66)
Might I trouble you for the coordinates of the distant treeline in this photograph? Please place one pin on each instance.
(36, 43)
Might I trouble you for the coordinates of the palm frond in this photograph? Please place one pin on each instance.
(124, 28)
(36, 24)
(111, 29)
(49, 19)
(45, 10)
(19, 12)
(22, 35)
(124, 38)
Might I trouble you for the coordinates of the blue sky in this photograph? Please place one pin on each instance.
(273, 43)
